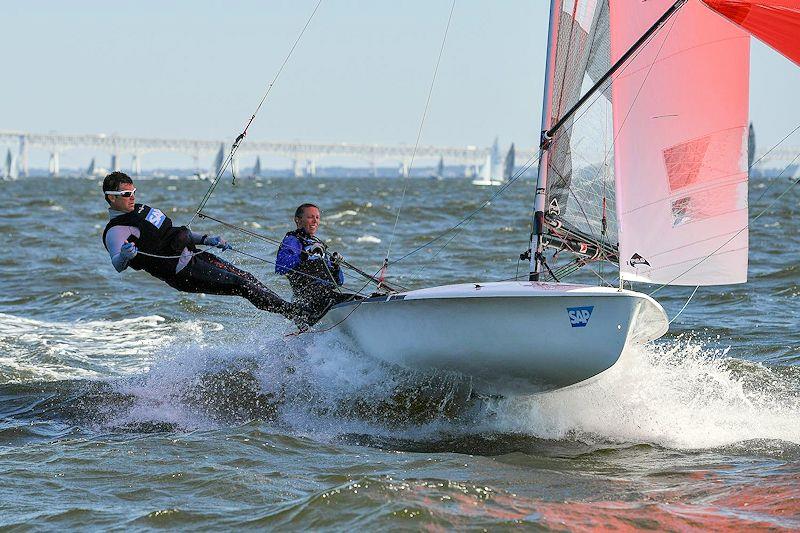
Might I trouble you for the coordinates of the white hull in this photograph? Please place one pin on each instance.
(486, 182)
(509, 337)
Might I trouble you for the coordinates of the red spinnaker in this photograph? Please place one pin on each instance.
(775, 22)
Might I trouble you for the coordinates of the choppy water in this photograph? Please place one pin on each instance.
(126, 404)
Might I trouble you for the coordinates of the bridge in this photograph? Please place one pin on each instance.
(304, 155)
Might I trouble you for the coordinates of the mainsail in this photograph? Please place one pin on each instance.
(579, 160)
(775, 22)
(680, 122)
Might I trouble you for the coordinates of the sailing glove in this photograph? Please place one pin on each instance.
(217, 241)
(313, 250)
(336, 258)
(128, 251)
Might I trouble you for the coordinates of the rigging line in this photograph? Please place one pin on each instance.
(684, 305)
(257, 258)
(635, 98)
(791, 186)
(355, 307)
(604, 84)
(625, 118)
(283, 65)
(457, 230)
(532, 161)
(242, 135)
(600, 93)
(419, 131)
(622, 61)
(240, 229)
(774, 147)
(279, 244)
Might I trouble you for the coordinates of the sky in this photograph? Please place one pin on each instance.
(361, 72)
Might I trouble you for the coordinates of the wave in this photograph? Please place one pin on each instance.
(676, 394)
(40, 350)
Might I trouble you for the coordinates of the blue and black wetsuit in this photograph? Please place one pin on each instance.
(314, 278)
(179, 264)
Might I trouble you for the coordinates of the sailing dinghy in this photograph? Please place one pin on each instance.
(643, 163)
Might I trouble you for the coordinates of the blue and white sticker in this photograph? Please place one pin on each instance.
(579, 316)
(155, 217)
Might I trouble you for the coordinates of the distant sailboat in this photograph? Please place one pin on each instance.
(9, 171)
(508, 166)
(439, 169)
(216, 167)
(256, 168)
(90, 168)
(219, 160)
(490, 171)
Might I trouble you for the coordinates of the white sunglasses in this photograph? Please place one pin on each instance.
(124, 194)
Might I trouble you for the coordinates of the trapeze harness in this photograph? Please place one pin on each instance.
(205, 273)
(314, 280)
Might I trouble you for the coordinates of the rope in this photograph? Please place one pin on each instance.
(242, 135)
(525, 167)
(684, 305)
(419, 133)
(139, 252)
(275, 242)
(472, 215)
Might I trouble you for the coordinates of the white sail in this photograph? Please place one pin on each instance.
(680, 121)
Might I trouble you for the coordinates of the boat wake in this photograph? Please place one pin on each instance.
(675, 394)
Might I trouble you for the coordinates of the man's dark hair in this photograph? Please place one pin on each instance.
(113, 181)
(299, 211)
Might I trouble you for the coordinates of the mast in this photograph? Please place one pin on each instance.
(549, 129)
(539, 200)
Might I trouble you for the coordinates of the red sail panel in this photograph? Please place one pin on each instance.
(680, 121)
(775, 22)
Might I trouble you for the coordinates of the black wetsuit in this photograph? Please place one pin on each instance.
(204, 272)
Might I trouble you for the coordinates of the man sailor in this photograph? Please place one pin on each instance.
(314, 274)
(143, 238)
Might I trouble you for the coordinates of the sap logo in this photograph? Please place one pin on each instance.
(579, 316)
(155, 217)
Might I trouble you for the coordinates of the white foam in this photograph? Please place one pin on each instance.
(678, 394)
(341, 214)
(368, 238)
(40, 350)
